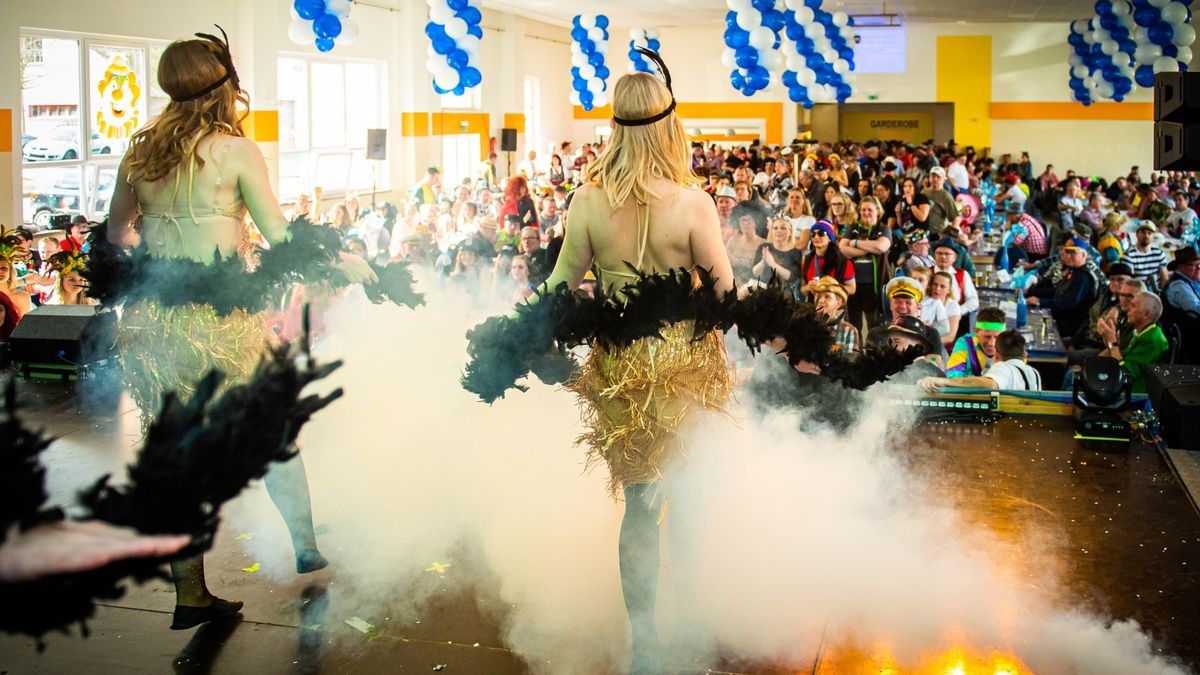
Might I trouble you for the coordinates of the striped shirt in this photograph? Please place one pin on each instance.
(1146, 264)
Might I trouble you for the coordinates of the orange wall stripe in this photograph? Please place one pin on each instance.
(1073, 111)
(6, 129)
(262, 126)
(414, 124)
(770, 113)
(515, 121)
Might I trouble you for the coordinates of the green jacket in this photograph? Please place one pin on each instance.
(1147, 346)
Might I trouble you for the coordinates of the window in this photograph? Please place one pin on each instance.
(82, 98)
(325, 108)
(533, 115)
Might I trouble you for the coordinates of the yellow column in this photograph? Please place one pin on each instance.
(262, 127)
(964, 78)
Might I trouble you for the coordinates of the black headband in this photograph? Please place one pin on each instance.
(226, 60)
(662, 67)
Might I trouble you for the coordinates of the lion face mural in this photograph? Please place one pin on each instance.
(117, 116)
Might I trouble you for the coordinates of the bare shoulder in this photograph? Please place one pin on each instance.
(696, 203)
(237, 149)
(588, 193)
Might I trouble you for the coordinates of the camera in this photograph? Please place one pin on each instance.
(60, 221)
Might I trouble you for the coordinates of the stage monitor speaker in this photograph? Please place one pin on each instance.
(1176, 146)
(376, 143)
(1177, 97)
(1175, 394)
(62, 336)
(508, 140)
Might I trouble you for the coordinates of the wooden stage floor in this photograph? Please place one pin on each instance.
(1133, 552)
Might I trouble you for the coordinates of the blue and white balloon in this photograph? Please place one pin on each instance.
(454, 37)
(645, 38)
(322, 23)
(819, 53)
(589, 74)
(753, 42)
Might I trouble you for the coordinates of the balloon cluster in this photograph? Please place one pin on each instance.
(454, 34)
(589, 44)
(646, 38)
(752, 43)
(1164, 37)
(819, 53)
(323, 23)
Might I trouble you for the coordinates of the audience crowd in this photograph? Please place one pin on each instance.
(882, 238)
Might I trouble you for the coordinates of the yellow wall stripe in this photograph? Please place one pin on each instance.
(262, 126)
(770, 113)
(515, 121)
(414, 124)
(964, 78)
(1072, 111)
(6, 129)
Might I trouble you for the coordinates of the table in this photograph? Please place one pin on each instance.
(1043, 343)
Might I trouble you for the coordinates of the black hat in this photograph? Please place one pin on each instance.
(1119, 268)
(945, 242)
(913, 327)
(1182, 257)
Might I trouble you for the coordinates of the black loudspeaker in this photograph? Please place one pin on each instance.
(62, 337)
(376, 143)
(1177, 97)
(508, 140)
(1177, 121)
(1175, 394)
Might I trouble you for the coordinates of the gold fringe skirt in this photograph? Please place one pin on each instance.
(634, 400)
(168, 349)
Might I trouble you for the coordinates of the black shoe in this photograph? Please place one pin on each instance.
(190, 617)
(310, 560)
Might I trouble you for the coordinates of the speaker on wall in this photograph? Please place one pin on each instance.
(508, 140)
(376, 143)
(1177, 121)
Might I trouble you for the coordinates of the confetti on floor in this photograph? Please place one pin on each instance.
(253, 568)
(359, 624)
(245, 536)
(438, 567)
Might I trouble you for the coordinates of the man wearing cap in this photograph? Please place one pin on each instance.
(904, 299)
(831, 296)
(1148, 261)
(918, 250)
(726, 199)
(1182, 306)
(1087, 336)
(1008, 372)
(973, 353)
(429, 189)
(511, 234)
(1148, 344)
(945, 255)
(1070, 298)
(943, 211)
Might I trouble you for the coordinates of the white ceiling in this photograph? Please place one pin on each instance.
(667, 13)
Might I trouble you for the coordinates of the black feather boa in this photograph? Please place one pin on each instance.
(504, 349)
(308, 256)
(197, 456)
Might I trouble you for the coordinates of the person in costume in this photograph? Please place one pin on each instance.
(640, 210)
(182, 191)
(974, 352)
(70, 288)
(12, 284)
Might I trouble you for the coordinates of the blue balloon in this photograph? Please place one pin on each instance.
(578, 34)
(435, 30)
(789, 78)
(1075, 83)
(309, 9)
(1103, 7)
(807, 104)
(736, 38)
(587, 46)
(654, 45)
(1075, 40)
(603, 72)
(456, 5)
(469, 77)
(831, 31)
(579, 84)
(575, 22)
(1170, 50)
(794, 33)
(1160, 33)
(1108, 22)
(814, 61)
(730, 18)
(439, 90)
(470, 15)
(746, 55)
(635, 55)
(736, 79)
(596, 59)
(1123, 86)
(773, 19)
(762, 5)
(843, 92)
(586, 98)
(460, 90)
(748, 90)
(601, 22)
(778, 42)
(476, 30)
(1144, 76)
(1183, 67)
(324, 44)
(846, 53)
(458, 59)
(758, 78)
(1146, 16)
(814, 5)
(1118, 97)
(443, 45)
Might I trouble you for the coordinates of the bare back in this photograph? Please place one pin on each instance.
(195, 211)
(679, 229)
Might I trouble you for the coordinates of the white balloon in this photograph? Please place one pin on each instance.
(1184, 36)
(349, 32)
(587, 21)
(830, 55)
(848, 34)
(469, 44)
(828, 93)
(787, 48)
(840, 19)
(1109, 47)
(301, 32)
(446, 80)
(850, 78)
(1074, 60)
(806, 76)
(595, 85)
(1141, 35)
(1174, 13)
(578, 60)
(338, 8)
(749, 19)
(456, 28)
(804, 15)
(1122, 8)
(1159, 3)
(294, 13)
(602, 47)
(587, 71)
(795, 62)
(814, 30)
(1079, 71)
(595, 34)
(1166, 64)
(637, 34)
(600, 100)
(575, 48)
(1089, 38)
(1147, 53)
(574, 97)
(729, 57)
(651, 33)
(771, 60)
(737, 5)
(1106, 90)
(1184, 57)
(841, 66)
(762, 38)
(440, 13)
(640, 43)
